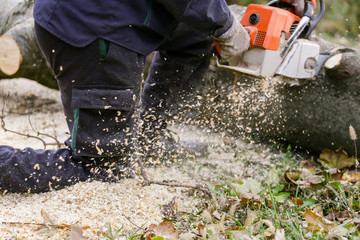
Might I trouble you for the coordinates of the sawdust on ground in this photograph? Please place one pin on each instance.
(31, 108)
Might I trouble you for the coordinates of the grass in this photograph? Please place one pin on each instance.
(283, 209)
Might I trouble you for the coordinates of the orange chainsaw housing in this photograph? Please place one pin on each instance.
(270, 22)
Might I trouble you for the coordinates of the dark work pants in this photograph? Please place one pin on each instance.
(100, 89)
(176, 74)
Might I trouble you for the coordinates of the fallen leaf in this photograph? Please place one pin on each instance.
(232, 209)
(337, 233)
(318, 210)
(201, 230)
(239, 235)
(46, 217)
(216, 229)
(273, 177)
(281, 196)
(294, 178)
(352, 177)
(279, 234)
(207, 215)
(64, 225)
(310, 166)
(76, 232)
(251, 216)
(249, 198)
(164, 229)
(248, 186)
(316, 222)
(335, 159)
(270, 230)
(314, 179)
(217, 215)
(297, 201)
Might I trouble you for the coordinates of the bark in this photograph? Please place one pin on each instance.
(311, 115)
(16, 23)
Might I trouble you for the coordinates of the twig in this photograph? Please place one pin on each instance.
(147, 181)
(197, 187)
(57, 142)
(37, 224)
(127, 218)
(3, 126)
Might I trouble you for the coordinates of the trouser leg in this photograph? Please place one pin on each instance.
(175, 80)
(30, 170)
(100, 87)
(176, 75)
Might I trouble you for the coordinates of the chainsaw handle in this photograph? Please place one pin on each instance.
(314, 19)
(215, 48)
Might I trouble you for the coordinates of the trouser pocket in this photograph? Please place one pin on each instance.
(103, 122)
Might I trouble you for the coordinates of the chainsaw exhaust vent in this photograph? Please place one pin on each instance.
(260, 37)
(293, 27)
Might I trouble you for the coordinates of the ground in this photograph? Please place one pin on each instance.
(32, 109)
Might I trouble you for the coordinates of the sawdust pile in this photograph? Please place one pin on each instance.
(31, 108)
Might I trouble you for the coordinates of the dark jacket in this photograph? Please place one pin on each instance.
(139, 25)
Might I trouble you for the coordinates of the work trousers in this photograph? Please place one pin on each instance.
(100, 87)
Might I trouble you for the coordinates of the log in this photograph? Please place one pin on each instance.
(311, 115)
(20, 55)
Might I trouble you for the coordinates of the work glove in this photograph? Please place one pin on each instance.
(299, 7)
(234, 41)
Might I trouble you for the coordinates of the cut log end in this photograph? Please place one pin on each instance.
(333, 61)
(10, 55)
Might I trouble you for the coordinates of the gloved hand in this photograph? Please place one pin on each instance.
(234, 41)
(299, 7)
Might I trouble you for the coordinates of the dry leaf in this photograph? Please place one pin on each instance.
(280, 234)
(317, 222)
(297, 201)
(270, 228)
(64, 225)
(217, 228)
(251, 216)
(249, 198)
(207, 215)
(232, 209)
(201, 230)
(76, 232)
(164, 229)
(310, 166)
(217, 215)
(239, 235)
(293, 177)
(335, 159)
(352, 177)
(314, 179)
(46, 217)
(318, 210)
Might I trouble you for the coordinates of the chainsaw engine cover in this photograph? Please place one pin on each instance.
(266, 25)
(275, 47)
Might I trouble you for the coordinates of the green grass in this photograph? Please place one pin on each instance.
(283, 206)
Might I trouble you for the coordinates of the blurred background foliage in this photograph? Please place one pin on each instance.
(341, 22)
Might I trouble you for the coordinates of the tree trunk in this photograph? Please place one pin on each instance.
(20, 55)
(311, 115)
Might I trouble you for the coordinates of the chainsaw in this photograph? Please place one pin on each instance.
(279, 42)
